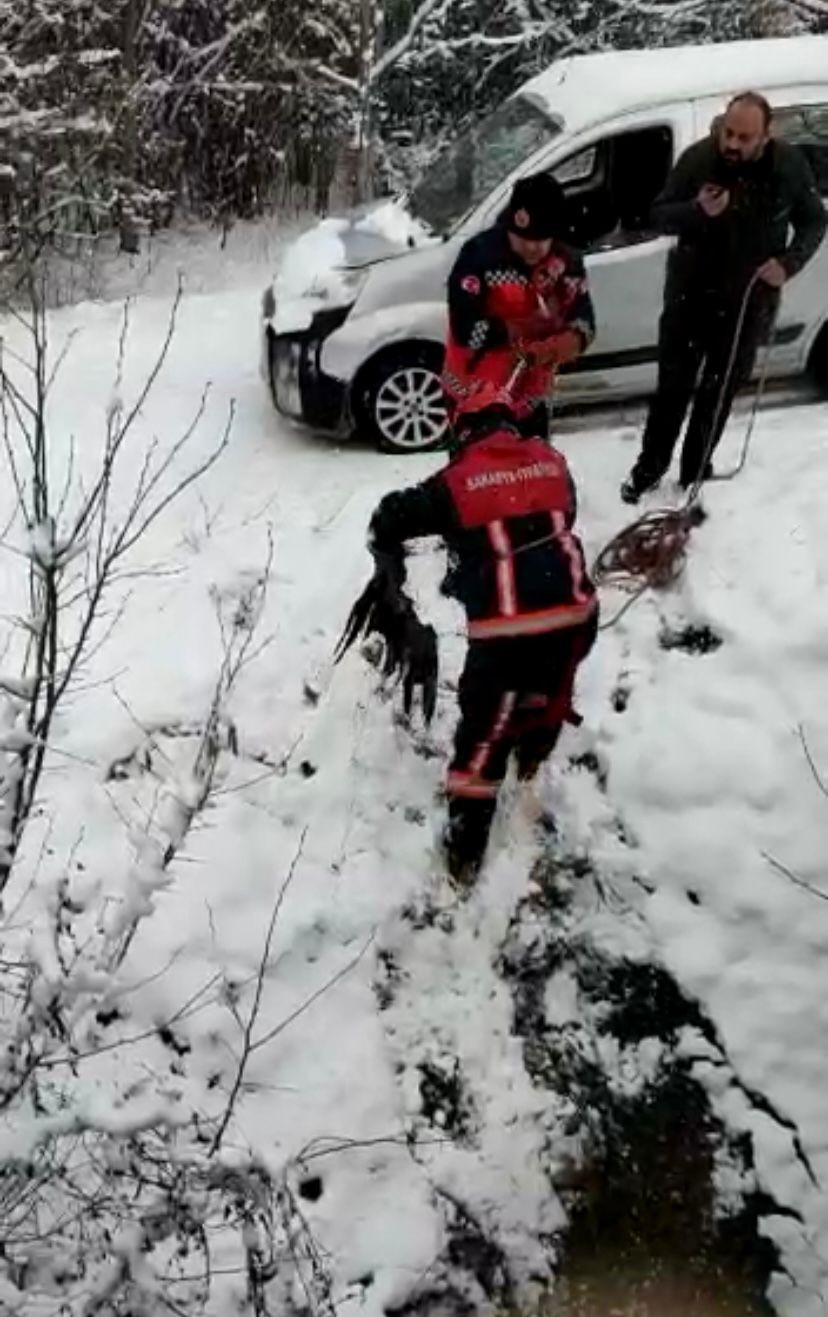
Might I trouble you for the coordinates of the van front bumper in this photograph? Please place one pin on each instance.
(301, 389)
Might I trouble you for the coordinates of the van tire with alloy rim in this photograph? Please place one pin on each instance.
(399, 402)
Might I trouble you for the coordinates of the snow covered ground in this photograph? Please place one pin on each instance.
(705, 770)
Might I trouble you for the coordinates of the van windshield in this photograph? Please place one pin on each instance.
(466, 171)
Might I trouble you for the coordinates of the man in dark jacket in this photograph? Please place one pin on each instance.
(518, 294)
(505, 506)
(731, 200)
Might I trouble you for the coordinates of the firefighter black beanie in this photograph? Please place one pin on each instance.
(537, 208)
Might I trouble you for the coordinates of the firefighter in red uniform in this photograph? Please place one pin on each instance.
(505, 506)
(518, 294)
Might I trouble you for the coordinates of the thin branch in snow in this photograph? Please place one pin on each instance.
(117, 433)
(315, 996)
(11, 456)
(331, 1146)
(794, 878)
(59, 360)
(318, 1287)
(149, 739)
(127, 989)
(69, 480)
(247, 1041)
(155, 512)
(811, 764)
(192, 1006)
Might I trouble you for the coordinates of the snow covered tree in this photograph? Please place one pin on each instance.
(456, 59)
(246, 100)
(782, 18)
(59, 102)
(231, 103)
(115, 112)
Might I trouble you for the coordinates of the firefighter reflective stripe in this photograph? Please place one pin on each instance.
(574, 557)
(469, 780)
(532, 624)
(483, 753)
(506, 594)
(473, 788)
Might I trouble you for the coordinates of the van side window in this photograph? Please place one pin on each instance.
(806, 126)
(612, 185)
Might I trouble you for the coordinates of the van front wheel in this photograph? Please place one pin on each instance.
(401, 404)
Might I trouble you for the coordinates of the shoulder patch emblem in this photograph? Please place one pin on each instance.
(471, 284)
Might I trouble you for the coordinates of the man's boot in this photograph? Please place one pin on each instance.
(635, 486)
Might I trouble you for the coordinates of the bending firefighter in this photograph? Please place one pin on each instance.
(505, 507)
(518, 296)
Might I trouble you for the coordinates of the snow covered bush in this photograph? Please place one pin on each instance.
(116, 1193)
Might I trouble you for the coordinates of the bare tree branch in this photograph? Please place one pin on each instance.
(247, 1039)
(811, 764)
(794, 878)
(314, 997)
(395, 52)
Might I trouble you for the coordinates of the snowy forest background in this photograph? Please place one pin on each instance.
(124, 113)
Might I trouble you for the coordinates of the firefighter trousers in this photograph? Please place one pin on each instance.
(515, 694)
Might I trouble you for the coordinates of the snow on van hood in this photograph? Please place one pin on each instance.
(325, 266)
(393, 225)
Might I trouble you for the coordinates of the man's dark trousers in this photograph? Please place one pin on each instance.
(696, 334)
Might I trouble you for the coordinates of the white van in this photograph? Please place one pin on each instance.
(353, 329)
